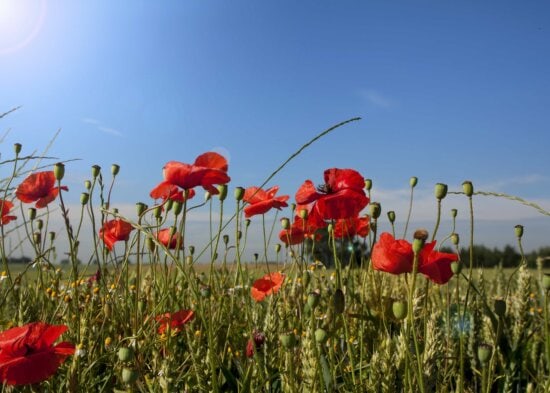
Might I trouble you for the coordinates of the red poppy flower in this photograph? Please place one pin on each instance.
(208, 169)
(342, 195)
(114, 231)
(174, 321)
(255, 343)
(397, 256)
(170, 241)
(5, 207)
(27, 353)
(40, 188)
(260, 201)
(350, 227)
(167, 191)
(267, 285)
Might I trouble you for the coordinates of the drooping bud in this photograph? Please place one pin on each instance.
(115, 169)
(285, 223)
(391, 216)
(413, 181)
(17, 148)
(277, 248)
(31, 213)
(375, 210)
(440, 191)
(84, 198)
(468, 188)
(454, 212)
(222, 192)
(368, 184)
(239, 193)
(59, 171)
(247, 222)
(96, 169)
(519, 231)
(192, 250)
(399, 309)
(484, 352)
(420, 236)
(225, 239)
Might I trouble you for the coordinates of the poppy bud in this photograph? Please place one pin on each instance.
(17, 148)
(191, 250)
(339, 301)
(178, 207)
(440, 191)
(150, 244)
(500, 307)
(455, 239)
(59, 171)
(546, 281)
(288, 340)
(115, 168)
(468, 188)
(399, 309)
(96, 169)
(391, 216)
(39, 224)
(303, 214)
(239, 193)
(222, 192)
(368, 184)
(239, 234)
(420, 236)
(454, 212)
(225, 239)
(285, 223)
(519, 231)
(484, 352)
(247, 222)
(277, 248)
(37, 238)
(84, 198)
(52, 236)
(140, 208)
(413, 181)
(168, 205)
(126, 354)
(157, 212)
(292, 207)
(313, 299)
(321, 336)
(207, 196)
(375, 209)
(31, 213)
(88, 185)
(129, 376)
(456, 267)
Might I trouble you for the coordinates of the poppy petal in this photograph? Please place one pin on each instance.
(307, 193)
(212, 160)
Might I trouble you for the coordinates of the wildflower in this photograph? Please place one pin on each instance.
(342, 195)
(267, 285)
(40, 188)
(350, 227)
(5, 207)
(169, 238)
(208, 169)
(173, 321)
(397, 256)
(113, 231)
(27, 353)
(167, 191)
(260, 201)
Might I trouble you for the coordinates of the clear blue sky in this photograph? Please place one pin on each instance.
(447, 91)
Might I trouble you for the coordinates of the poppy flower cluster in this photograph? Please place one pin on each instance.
(267, 285)
(40, 188)
(28, 354)
(173, 321)
(396, 256)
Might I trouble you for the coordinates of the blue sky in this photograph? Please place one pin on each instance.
(447, 91)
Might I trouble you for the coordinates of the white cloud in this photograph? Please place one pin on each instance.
(375, 98)
(101, 127)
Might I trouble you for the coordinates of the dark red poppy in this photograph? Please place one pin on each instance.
(397, 256)
(349, 227)
(208, 170)
(267, 285)
(174, 321)
(166, 191)
(342, 195)
(114, 231)
(260, 201)
(170, 240)
(27, 353)
(5, 208)
(40, 188)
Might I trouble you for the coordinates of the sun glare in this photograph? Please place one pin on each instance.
(20, 23)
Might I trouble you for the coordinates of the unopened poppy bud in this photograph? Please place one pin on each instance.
(339, 301)
(484, 352)
(454, 213)
(31, 213)
(96, 169)
(39, 224)
(88, 185)
(178, 207)
(247, 222)
(150, 244)
(368, 184)
(399, 309)
(391, 216)
(468, 188)
(239, 193)
(455, 239)
(115, 168)
(226, 239)
(222, 192)
(84, 198)
(519, 231)
(456, 267)
(292, 207)
(191, 250)
(413, 181)
(207, 196)
(288, 340)
(37, 238)
(59, 170)
(277, 248)
(500, 307)
(126, 354)
(303, 214)
(129, 375)
(285, 223)
(375, 210)
(52, 236)
(239, 234)
(157, 212)
(321, 336)
(546, 281)
(313, 299)
(17, 148)
(140, 208)
(168, 205)
(440, 190)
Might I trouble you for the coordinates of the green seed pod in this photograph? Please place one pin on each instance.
(288, 340)
(239, 193)
(321, 336)
(277, 248)
(391, 216)
(157, 212)
(222, 192)
(126, 354)
(440, 191)
(303, 214)
(88, 185)
(484, 352)
(39, 224)
(455, 239)
(500, 307)
(31, 213)
(17, 148)
(285, 223)
(313, 299)
(115, 169)
(225, 239)
(84, 198)
(96, 169)
(37, 238)
(454, 213)
(368, 184)
(399, 309)
(375, 209)
(247, 222)
(468, 188)
(546, 281)
(413, 181)
(59, 171)
(168, 205)
(339, 301)
(140, 208)
(456, 267)
(519, 231)
(178, 208)
(129, 376)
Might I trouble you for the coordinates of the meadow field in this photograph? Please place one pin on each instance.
(342, 307)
